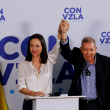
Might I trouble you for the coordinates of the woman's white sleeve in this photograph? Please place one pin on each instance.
(21, 77)
(54, 53)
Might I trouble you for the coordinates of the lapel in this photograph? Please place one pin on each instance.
(98, 68)
(80, 69)
(83, 66)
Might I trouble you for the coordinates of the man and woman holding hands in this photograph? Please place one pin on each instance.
(91, 70)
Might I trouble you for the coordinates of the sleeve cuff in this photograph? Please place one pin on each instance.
(58, 43)
(20, 87)
(65, 42)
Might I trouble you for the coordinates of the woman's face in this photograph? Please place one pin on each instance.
(35, 47)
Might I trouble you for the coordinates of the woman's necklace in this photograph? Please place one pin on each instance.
(38, 71)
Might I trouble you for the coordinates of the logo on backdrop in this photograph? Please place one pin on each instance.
(73, 14)
(105, 38)
(2, 17)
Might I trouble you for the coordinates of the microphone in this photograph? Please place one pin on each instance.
(57, 93)
(88, 73)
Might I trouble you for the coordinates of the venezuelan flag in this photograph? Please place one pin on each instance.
(3, 104)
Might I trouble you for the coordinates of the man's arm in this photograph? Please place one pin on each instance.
(64, 44)
(108, 90)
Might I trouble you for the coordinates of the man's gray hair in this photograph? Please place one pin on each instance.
(88, 40)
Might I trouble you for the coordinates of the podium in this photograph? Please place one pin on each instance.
(56, 103)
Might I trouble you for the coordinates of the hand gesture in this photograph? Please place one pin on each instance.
(64, 26)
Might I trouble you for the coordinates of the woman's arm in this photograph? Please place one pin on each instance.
(54, 53)
(22, 87)
(31, 93)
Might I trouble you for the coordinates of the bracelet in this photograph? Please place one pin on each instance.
(60, 32)
(31, 92)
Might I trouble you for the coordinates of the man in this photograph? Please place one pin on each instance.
(91, 72)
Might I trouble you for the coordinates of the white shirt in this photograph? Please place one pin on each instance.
(27, 77)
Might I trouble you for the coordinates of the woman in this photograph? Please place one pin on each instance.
(35, 73)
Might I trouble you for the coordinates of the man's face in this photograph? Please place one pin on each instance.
(88, 50)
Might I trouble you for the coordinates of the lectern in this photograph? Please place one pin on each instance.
(56, 103)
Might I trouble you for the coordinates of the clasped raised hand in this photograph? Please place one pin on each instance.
(64, 26)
